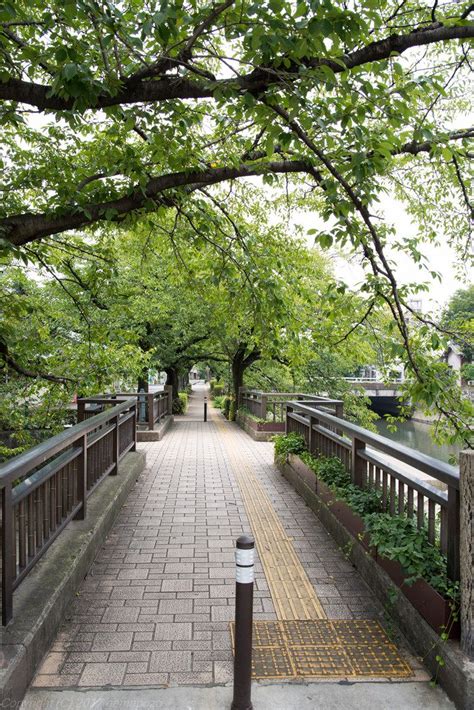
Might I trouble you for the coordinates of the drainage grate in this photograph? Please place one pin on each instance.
(323, 648)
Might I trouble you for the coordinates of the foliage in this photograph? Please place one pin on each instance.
(218, 401)
(227, 405)
(399, 539)
(286, 444)
(458, 316)
(180, 404)
(467, 372)
(395, 537)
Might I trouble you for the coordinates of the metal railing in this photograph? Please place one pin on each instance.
(46, 487)
(152, 406)
(381, 464)
(262, 404)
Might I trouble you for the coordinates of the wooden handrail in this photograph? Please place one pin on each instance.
(38, 508)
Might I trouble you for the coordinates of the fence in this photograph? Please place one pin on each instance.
(152, 406)
(375, 462)
(261, 404)
(46, 487)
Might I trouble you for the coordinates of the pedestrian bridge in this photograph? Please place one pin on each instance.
(150, 625)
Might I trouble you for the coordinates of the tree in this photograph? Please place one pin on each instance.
(458, 318)
(147, 109)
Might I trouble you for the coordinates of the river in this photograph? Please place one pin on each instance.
(416, 435)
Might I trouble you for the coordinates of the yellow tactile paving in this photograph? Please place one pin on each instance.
(292, 593)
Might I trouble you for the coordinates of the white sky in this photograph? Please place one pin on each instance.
(441, 259)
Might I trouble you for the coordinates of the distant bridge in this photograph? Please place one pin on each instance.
(384, 396)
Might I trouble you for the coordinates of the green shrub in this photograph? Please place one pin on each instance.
(219, 402)
(286, 444)
(227, 404)
(180, 404)
(395, 537)
(218, 390)
(232, 410)
(212, 384)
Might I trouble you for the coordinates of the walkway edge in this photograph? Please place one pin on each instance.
(456, 676)
(41, 601)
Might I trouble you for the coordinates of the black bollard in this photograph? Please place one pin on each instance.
(244, 576)
(205, 409)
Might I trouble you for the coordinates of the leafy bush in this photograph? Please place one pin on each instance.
(232, 410)
(395, 537)
(400, 539)
(218, 390)
(180, 404)
(212, 384)
(286, 444)
(219, 401)
(227, 403)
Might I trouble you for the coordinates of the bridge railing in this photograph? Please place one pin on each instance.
(46, 487)
(152, 406)
(261, 404)
(381, 464)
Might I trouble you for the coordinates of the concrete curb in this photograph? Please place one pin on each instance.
(456, 676)
(42, 599)
(158, 433)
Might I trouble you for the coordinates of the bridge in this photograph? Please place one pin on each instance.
(118, 565)
(384, 396)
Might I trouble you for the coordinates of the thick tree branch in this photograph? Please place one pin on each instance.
(24, 228)
(136, 90)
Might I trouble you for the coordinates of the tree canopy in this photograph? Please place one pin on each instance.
(124, 119)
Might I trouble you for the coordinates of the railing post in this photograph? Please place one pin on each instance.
(312, 422)
(151, 411)
(466, 556)
(169, 389)
(115, 445)
(134, 423)
(142, 405)
(263, 407)
(359, 466)
(7, 549)
(339, 412)
(81, 411)
(239, 396)
(81, 481)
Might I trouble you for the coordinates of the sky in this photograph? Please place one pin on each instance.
(440, 258)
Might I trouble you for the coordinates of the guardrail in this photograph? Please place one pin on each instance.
(260, 404)
(152, 406)
(365, 455)
(46, 487)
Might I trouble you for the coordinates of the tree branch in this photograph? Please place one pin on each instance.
(20, 370)
(137, 90)
(24, 228)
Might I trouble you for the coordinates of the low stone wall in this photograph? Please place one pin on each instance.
(457, 674)
(42, 599)
(158, 432)
(251, 428)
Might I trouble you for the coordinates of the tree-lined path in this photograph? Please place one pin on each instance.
(155, 607)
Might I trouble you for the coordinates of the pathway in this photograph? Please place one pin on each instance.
(155, 608)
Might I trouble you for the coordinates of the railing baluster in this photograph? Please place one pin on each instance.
(431, 520)
(410, 506)
(420, 510)
(444, 530)
(384, 490)
(401, 498)
(393, 493)
(38, 518)
(31, 527)
(45, 495)
(22, 533)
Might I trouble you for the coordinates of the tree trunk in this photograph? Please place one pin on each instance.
(172, 379)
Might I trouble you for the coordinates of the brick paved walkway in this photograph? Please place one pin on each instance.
(156, 605)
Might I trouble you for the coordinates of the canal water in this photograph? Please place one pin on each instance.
(417, 435)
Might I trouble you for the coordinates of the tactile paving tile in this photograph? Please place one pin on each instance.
(293, 595)
(321, 648)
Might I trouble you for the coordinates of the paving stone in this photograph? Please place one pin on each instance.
(102, 674)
